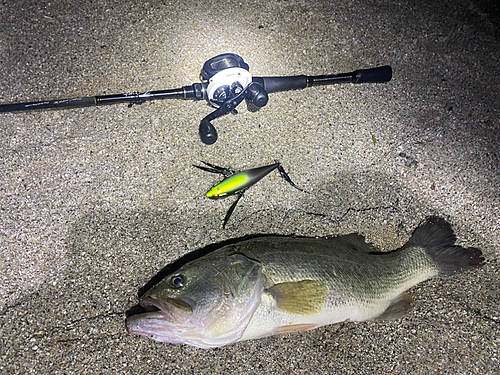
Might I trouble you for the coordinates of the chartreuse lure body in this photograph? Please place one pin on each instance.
(236, 183)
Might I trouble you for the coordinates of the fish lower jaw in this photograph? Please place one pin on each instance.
(157, 326)
(170, 333)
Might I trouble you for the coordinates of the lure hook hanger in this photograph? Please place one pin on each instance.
(226, 82)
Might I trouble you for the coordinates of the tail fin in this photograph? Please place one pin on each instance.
(438, 240)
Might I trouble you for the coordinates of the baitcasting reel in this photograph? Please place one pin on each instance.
(229, 82)
(226, 82)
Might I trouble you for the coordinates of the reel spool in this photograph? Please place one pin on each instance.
(227, 75)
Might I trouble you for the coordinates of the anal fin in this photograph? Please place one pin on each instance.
(283, 330)
(398, 307)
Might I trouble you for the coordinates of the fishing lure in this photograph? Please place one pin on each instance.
(236, 183)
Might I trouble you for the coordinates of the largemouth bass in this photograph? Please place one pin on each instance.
(272, 285)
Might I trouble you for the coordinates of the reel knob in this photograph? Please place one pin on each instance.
(208, 134)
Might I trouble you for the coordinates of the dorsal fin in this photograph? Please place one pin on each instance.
(354, 241)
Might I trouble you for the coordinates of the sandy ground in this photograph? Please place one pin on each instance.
(95, 201)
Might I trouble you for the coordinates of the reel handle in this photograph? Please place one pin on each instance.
(208, 134)
(253, 91)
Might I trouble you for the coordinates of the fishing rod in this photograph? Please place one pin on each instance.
(225, 82)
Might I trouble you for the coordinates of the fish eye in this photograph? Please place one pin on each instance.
(177, 281)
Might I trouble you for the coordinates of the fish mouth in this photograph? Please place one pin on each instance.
(168, 306)
(161, 320)
(150, 306)
(170, 309)
(143, 307)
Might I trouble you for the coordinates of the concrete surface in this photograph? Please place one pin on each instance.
(95, 201)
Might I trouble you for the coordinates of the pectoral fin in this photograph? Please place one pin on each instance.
(398, 307)
(305, 297)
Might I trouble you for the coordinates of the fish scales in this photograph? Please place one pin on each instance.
(274, 285)
(361, 285)
(366, 274)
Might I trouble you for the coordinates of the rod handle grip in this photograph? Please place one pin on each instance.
(275, 84)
